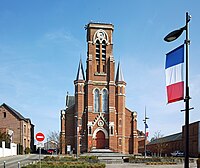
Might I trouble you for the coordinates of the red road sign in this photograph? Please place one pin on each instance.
(39, 136)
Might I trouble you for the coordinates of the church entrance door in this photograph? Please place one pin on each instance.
(100, 140)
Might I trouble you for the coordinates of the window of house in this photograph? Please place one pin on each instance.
(96, 100)
(121, 89)
(24, 142)
(24, 129)
(4, 114)
(105, 101)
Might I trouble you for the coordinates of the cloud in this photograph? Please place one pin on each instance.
(59, 38)
(59, 35)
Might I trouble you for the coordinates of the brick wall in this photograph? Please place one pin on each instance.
(22, 130)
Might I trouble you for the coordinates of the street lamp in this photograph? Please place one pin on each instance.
(145, 132)
(77, 130)
(171, 37)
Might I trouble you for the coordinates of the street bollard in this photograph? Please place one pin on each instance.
(18, 165)
(4, 164)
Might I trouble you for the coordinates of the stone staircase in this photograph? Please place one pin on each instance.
(107, 156)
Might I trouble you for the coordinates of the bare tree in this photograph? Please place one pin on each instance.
(160, 143)
(53, 137)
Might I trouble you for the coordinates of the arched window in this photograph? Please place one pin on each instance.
(96, 100)
(105, 101)
(98, 56)
(104, 56)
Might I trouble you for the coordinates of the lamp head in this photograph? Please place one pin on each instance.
(174, 34)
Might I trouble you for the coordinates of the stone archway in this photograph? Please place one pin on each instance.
(100, 140)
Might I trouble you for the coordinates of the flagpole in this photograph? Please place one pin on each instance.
(187, 97)
(145, 132)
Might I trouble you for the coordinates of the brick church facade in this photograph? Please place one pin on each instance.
(96, 117)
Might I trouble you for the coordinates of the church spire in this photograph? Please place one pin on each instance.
(119, 75)
(80, 73)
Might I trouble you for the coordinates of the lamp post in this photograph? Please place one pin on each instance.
(145, 132)
(171, 37)
(77, 130)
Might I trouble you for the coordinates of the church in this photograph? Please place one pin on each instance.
(96, 116)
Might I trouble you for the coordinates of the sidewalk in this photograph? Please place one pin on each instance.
(130, 165)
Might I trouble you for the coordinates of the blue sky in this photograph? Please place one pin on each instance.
(41, 43)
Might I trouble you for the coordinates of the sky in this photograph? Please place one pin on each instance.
(41, 43)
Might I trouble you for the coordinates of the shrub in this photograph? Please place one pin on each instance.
(90, 159)
(66, 165)
(19, 149)
(27, 150)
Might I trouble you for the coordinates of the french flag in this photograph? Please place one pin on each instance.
(174, 74)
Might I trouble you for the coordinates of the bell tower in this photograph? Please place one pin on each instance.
(100, 86)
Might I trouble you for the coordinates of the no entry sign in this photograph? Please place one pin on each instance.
(39, 136)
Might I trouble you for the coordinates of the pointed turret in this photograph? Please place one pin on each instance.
(80, 73)
(119, 76)
(120, 106)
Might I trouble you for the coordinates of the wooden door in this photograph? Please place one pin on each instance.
(100, 140)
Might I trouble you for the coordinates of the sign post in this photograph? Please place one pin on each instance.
(40, 137)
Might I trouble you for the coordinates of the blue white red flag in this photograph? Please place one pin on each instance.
(174, 74)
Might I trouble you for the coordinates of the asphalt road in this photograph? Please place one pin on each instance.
(12, 161)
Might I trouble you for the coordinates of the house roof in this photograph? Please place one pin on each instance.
(15, 113)
(174, 137)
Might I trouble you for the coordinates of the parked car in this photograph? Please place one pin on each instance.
(148, 153)
(51, 151)
(177, 153)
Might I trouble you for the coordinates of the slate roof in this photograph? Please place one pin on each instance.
(70, 101)
(119, 75)
(174, 137)
(15, 113)
(80, 73)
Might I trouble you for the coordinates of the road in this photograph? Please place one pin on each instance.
(12, 161)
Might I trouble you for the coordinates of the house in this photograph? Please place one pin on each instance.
(19, 128)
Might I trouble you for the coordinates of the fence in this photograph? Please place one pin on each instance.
(8, 149)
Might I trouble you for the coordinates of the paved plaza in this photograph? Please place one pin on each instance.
(129, 165)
